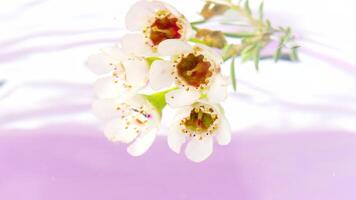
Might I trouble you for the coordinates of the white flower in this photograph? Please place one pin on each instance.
(153, 22)
(128, 73)
(194, 69)
(199, 122)
(134, 121)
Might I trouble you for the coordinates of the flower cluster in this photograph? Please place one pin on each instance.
(158, 56)
(166, 60)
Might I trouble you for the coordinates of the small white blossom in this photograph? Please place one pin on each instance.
(134, 121)
(153, 22)
(200, 123)
(194, 69)
(128, 73)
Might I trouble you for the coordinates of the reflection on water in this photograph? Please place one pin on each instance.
(77, 162)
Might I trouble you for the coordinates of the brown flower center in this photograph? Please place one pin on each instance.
(201, 121)
(194, 70)
(164, 28)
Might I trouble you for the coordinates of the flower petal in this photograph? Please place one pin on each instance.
(106, 87)
(136, 71)
(217, 92)
(142, 143)
(211, 54)
(181, 97)
(172, 47)
(182, 112)
(140, 13)
(115, 52)
(105, 61)
(188, 30)
(160, 74)
(116, 131)
(172, 10)
(105, 109)
(140, 101)
(100, 63)
(135, 44)
(175, 138)
(223, 135)
(199, 150)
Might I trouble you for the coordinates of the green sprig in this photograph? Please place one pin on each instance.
(252, 43)
(158, 99)
(232, 73)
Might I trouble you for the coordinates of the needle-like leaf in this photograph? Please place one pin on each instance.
(248, 53)
(239, 35)
(294, 53)
(232, 73)
(257, 55)
(260, 11)
(247, 7)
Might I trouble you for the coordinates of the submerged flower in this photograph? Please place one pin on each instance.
(154, 22)
(134, 121)
(194, 69)
(128, 73)
(199, 122)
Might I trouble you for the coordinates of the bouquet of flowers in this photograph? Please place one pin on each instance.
(168, 61)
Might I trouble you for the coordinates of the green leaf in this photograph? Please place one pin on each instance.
(239, 35)
(260, 11)
(158, 100)
(197, 41)
(226, 48)
(232, 73)
(247, 53)
(257, 55)
(269, 25)
(203, 96)
(294, 53)
(287, 35)
(283, 40)
(248, 40)
(150, 60)
(198, 22)
(225, 51)
(247, 7)
(288, 32)
(277, 54)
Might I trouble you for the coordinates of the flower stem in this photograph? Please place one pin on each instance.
(198, 22)
(150, 60)
(239, 35)
(197, 41)
(248, 15)
(158, 99)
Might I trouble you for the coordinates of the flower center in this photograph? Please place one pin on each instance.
(194, 70)
(140, 115)
(164, 28)
(201, 121)
(135, 118)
